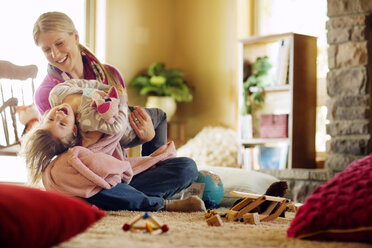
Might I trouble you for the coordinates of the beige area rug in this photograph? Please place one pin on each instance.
(191, 230)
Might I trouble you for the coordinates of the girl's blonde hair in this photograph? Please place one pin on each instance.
(39, 147)
(60, 22)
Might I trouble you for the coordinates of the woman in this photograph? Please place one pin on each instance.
(55, 34)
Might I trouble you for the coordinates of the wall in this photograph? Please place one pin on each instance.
(349, 81)
(205, 48)
(138, 32)
(196, 36)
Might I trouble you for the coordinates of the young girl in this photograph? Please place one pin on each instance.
(94, 108)
(81, 171)
(82, 111)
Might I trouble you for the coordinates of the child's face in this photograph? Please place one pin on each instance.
(60, 121)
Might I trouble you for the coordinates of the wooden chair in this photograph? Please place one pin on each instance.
(16, 87)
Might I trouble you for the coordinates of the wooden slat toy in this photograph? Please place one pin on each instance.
(242, 210)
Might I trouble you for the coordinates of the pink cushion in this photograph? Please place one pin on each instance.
(340, 209)
(31, 217)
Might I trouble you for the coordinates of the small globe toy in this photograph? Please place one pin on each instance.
(213, 187)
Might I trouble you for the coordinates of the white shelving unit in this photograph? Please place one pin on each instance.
(297, 97)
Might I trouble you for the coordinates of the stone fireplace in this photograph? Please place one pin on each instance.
(349, 82)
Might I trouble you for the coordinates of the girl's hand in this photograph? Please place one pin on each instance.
(142, 124)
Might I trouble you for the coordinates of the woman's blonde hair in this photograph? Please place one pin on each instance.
(112, 78)
(39, 147)
(60, 22)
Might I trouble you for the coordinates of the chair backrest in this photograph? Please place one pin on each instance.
(16, 88)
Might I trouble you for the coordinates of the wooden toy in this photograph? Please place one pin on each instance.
(251, 218)
(213, 218)
(151, 225)
(293, 207)
(241, 211)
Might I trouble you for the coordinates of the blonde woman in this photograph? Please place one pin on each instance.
(55, 34)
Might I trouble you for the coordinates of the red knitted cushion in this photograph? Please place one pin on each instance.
(340, 209)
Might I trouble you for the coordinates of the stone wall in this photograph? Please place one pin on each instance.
(301, 182)
(349, 34)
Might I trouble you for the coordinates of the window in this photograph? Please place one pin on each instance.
(18, 17)
(304, 17)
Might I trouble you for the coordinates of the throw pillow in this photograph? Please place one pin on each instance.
(235, 179)
(30, 217)
(340, 209)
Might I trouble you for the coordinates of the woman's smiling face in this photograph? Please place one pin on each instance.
(61, 49)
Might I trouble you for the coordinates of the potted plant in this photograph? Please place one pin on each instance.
(255, 84)
(253, 94)
(162, 85)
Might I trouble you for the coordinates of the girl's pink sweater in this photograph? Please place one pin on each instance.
(85, 171)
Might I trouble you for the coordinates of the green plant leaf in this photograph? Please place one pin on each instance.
(251, 81)
(179, 94)
(258, 79)
(246, 109)
(152, 90)
(169, 73)
(139, 82)
(158, 80)
(262, 65)
(257, 97)
(176, 82)
(156, 69)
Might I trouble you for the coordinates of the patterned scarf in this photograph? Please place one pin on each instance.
(92, 70)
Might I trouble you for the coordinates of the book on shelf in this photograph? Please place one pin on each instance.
(246, 127)
(283, 62)
(274, 53)
(250, 158)
(273, 157)
(247, 158)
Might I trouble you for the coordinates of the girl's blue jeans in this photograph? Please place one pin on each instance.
(147, 190)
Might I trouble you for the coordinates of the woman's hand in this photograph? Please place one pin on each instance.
(141, 123)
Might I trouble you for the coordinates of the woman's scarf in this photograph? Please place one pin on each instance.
(92, 70)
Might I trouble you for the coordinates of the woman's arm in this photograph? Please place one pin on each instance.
(89, 138)
(144, 128)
